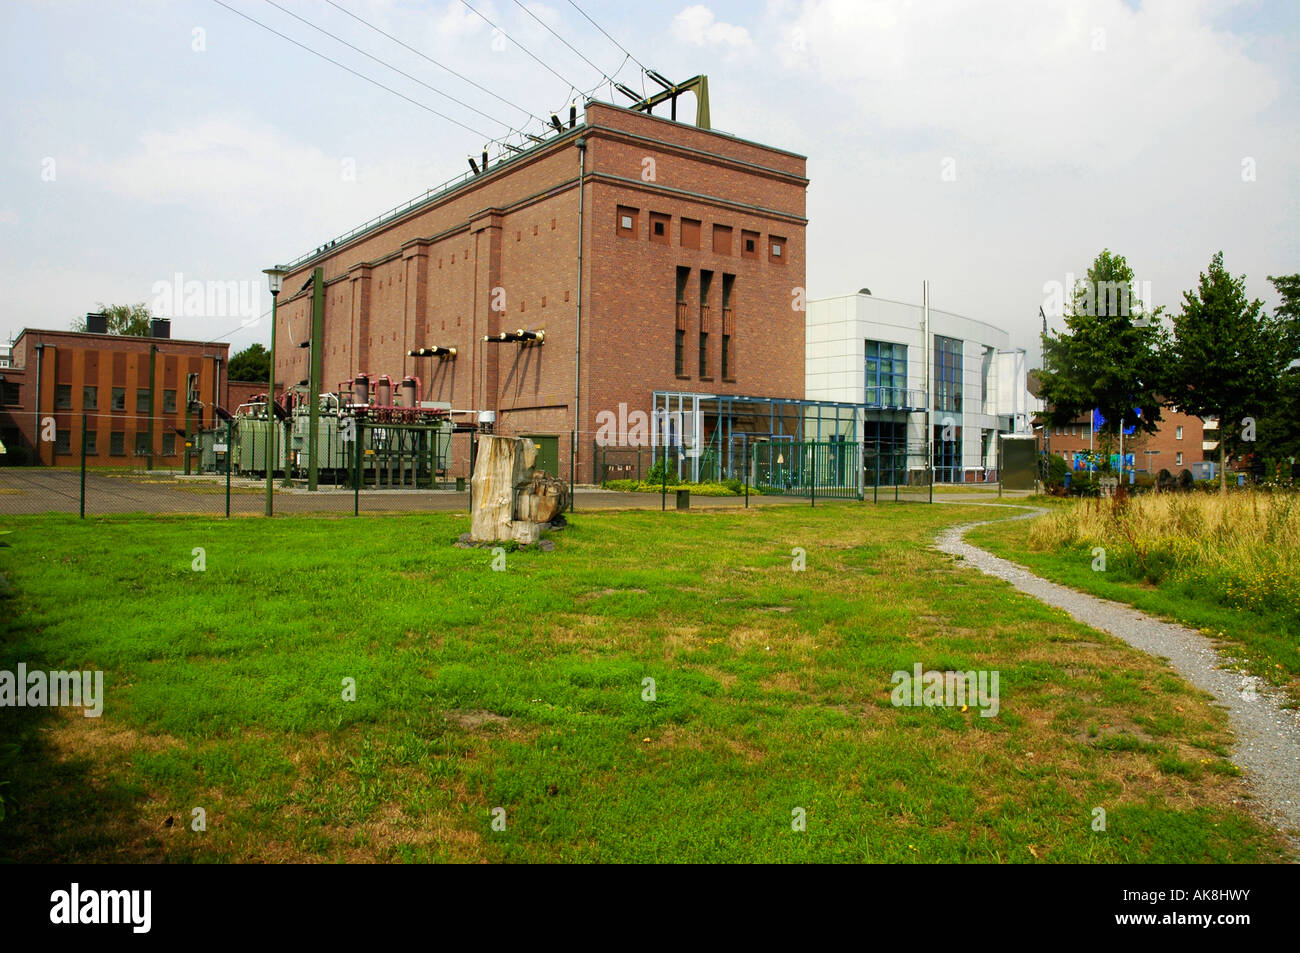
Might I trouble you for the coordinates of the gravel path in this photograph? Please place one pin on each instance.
(1267, 734)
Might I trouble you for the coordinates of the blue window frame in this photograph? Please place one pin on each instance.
(886, 374)
(947, 374)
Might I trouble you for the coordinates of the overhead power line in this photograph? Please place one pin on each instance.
(548, 29)
(430, 59)
(414, 102)
(388, 65)
(607, 36)
(574, 87)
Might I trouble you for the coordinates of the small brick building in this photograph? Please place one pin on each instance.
(121, 383)
(691, 277)
(1180, 441)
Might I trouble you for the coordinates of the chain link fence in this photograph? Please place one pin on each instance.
(99, 464)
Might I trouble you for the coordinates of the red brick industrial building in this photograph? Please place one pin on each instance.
(691, 245)
(121, 383)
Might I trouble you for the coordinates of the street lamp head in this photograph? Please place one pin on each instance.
(275, 278)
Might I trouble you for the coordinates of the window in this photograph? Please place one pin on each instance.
(11, 392)
(90, 398)
(142, 447)
(627, 221)
(704, 354)
(885, 451)
(721, 240)
(1178, 459)
(92, 442)
(1178, 433)
(117, 443)
(681, 353)
(947, 454)
(63, 441)
(947, 375)
(119, 398)
(169, 401)
(169, 444)
(748, 244)
(62, 396)
(659, 225)
(777, 248)
(728, 287)
(142, 401)
(726, 357)
(690, 233)
(886, 374)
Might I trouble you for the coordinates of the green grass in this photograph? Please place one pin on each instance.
(1266, 641)
(523, 690)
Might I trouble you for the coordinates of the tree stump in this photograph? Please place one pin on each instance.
(511, 499)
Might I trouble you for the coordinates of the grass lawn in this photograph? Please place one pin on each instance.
(1265, 639)
(524, 690)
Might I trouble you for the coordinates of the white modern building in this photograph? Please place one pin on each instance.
(873, 352)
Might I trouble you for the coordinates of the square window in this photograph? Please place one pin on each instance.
(92, 442)
(1178, 433)
(63, 441)
(63, 397)
(11, 392)
(659, 228)
(142, 401)
(142, 443)
(117, 443)
(690, 233)
(627, 221)
(90, 398)
(169, 401)
(169, 444)
(119, 398)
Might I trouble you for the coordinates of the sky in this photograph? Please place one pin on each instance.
(991, 148)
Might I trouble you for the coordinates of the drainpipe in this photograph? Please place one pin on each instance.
(581, 143)
(40, 363)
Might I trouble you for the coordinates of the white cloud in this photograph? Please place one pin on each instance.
(698, 26)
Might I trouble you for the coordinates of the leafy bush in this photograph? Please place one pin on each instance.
(656, 474)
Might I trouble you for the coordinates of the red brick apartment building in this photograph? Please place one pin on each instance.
(691, 245)
(1181, 441)
(120, 383)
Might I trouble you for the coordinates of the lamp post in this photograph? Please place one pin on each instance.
(275, 280)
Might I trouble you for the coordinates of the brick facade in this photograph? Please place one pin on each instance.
(500, 252)
(1179, 433)
(107, 377)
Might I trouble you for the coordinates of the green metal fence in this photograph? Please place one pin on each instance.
(815, 469)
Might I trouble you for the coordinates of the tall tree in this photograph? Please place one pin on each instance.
(1279, 430)
(253, 363)
(1107, 358)
(1226, 359)
(127, 319)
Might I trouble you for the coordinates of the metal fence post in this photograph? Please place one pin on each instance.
(744, 457)
(573, 467)
(83, 466)
(357, 431)
(875, 491)
(812, 482)
(230, 446)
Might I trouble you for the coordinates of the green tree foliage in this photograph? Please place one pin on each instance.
(1226, 359)
(1279, 430)
(253, 363)
(126, 319)
(1108, 356)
